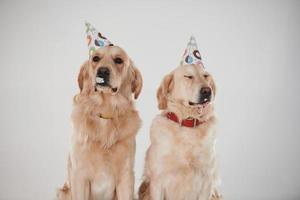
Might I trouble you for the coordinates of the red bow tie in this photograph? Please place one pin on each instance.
(189, 122)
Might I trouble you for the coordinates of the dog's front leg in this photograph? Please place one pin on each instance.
(156, 192)
(125, 177)
(206, 189)
(125, 185)
(80, 187)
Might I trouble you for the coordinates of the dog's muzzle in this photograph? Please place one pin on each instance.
(103, 79)
(103, 76)
(205, 95)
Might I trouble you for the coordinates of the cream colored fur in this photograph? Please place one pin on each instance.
(181, 162)
(101, 160)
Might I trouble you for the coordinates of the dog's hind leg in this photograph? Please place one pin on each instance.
(64, 193)
(144, 190)
(216, 196)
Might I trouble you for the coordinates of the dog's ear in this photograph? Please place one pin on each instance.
(163, 91)
(83, 75)
(213, 85)
(137, 81)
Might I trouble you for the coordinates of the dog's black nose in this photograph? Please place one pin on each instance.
(103, 72)
(205, 92)
(205, 95)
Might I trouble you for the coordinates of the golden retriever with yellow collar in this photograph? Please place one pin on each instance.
(101, 160)
(180, 162)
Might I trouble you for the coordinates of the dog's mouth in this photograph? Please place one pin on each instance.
(200, 107)
(203, 102)
(103, 83)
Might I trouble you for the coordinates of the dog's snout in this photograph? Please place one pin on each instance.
(103, 72)
(205, 92)
(103, 76)
(205, 95)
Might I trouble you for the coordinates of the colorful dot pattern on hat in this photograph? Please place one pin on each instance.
(95, 39)
(191, 54)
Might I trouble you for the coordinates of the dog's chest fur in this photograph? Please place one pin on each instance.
(100, 147)
(96, 167)
(181, 156)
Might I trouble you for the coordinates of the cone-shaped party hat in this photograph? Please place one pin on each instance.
(95, 39)
(191, 54)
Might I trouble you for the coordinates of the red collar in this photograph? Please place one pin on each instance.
(189, 122)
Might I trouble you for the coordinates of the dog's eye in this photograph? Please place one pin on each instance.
(189, 77)
(206, 75)
(96, 59)
(118, 60)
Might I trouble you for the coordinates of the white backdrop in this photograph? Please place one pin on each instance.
(251, 47)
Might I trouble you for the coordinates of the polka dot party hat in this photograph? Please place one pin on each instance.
(95, 39)
(191, 54)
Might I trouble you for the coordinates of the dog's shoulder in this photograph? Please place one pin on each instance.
(160, 124)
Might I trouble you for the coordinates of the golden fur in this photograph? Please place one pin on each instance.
(180, 163)
(101, 160)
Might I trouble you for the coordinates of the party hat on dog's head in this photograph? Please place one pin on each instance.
(95, 39)
(191, 54)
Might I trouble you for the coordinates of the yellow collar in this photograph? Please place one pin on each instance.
(105, 116)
